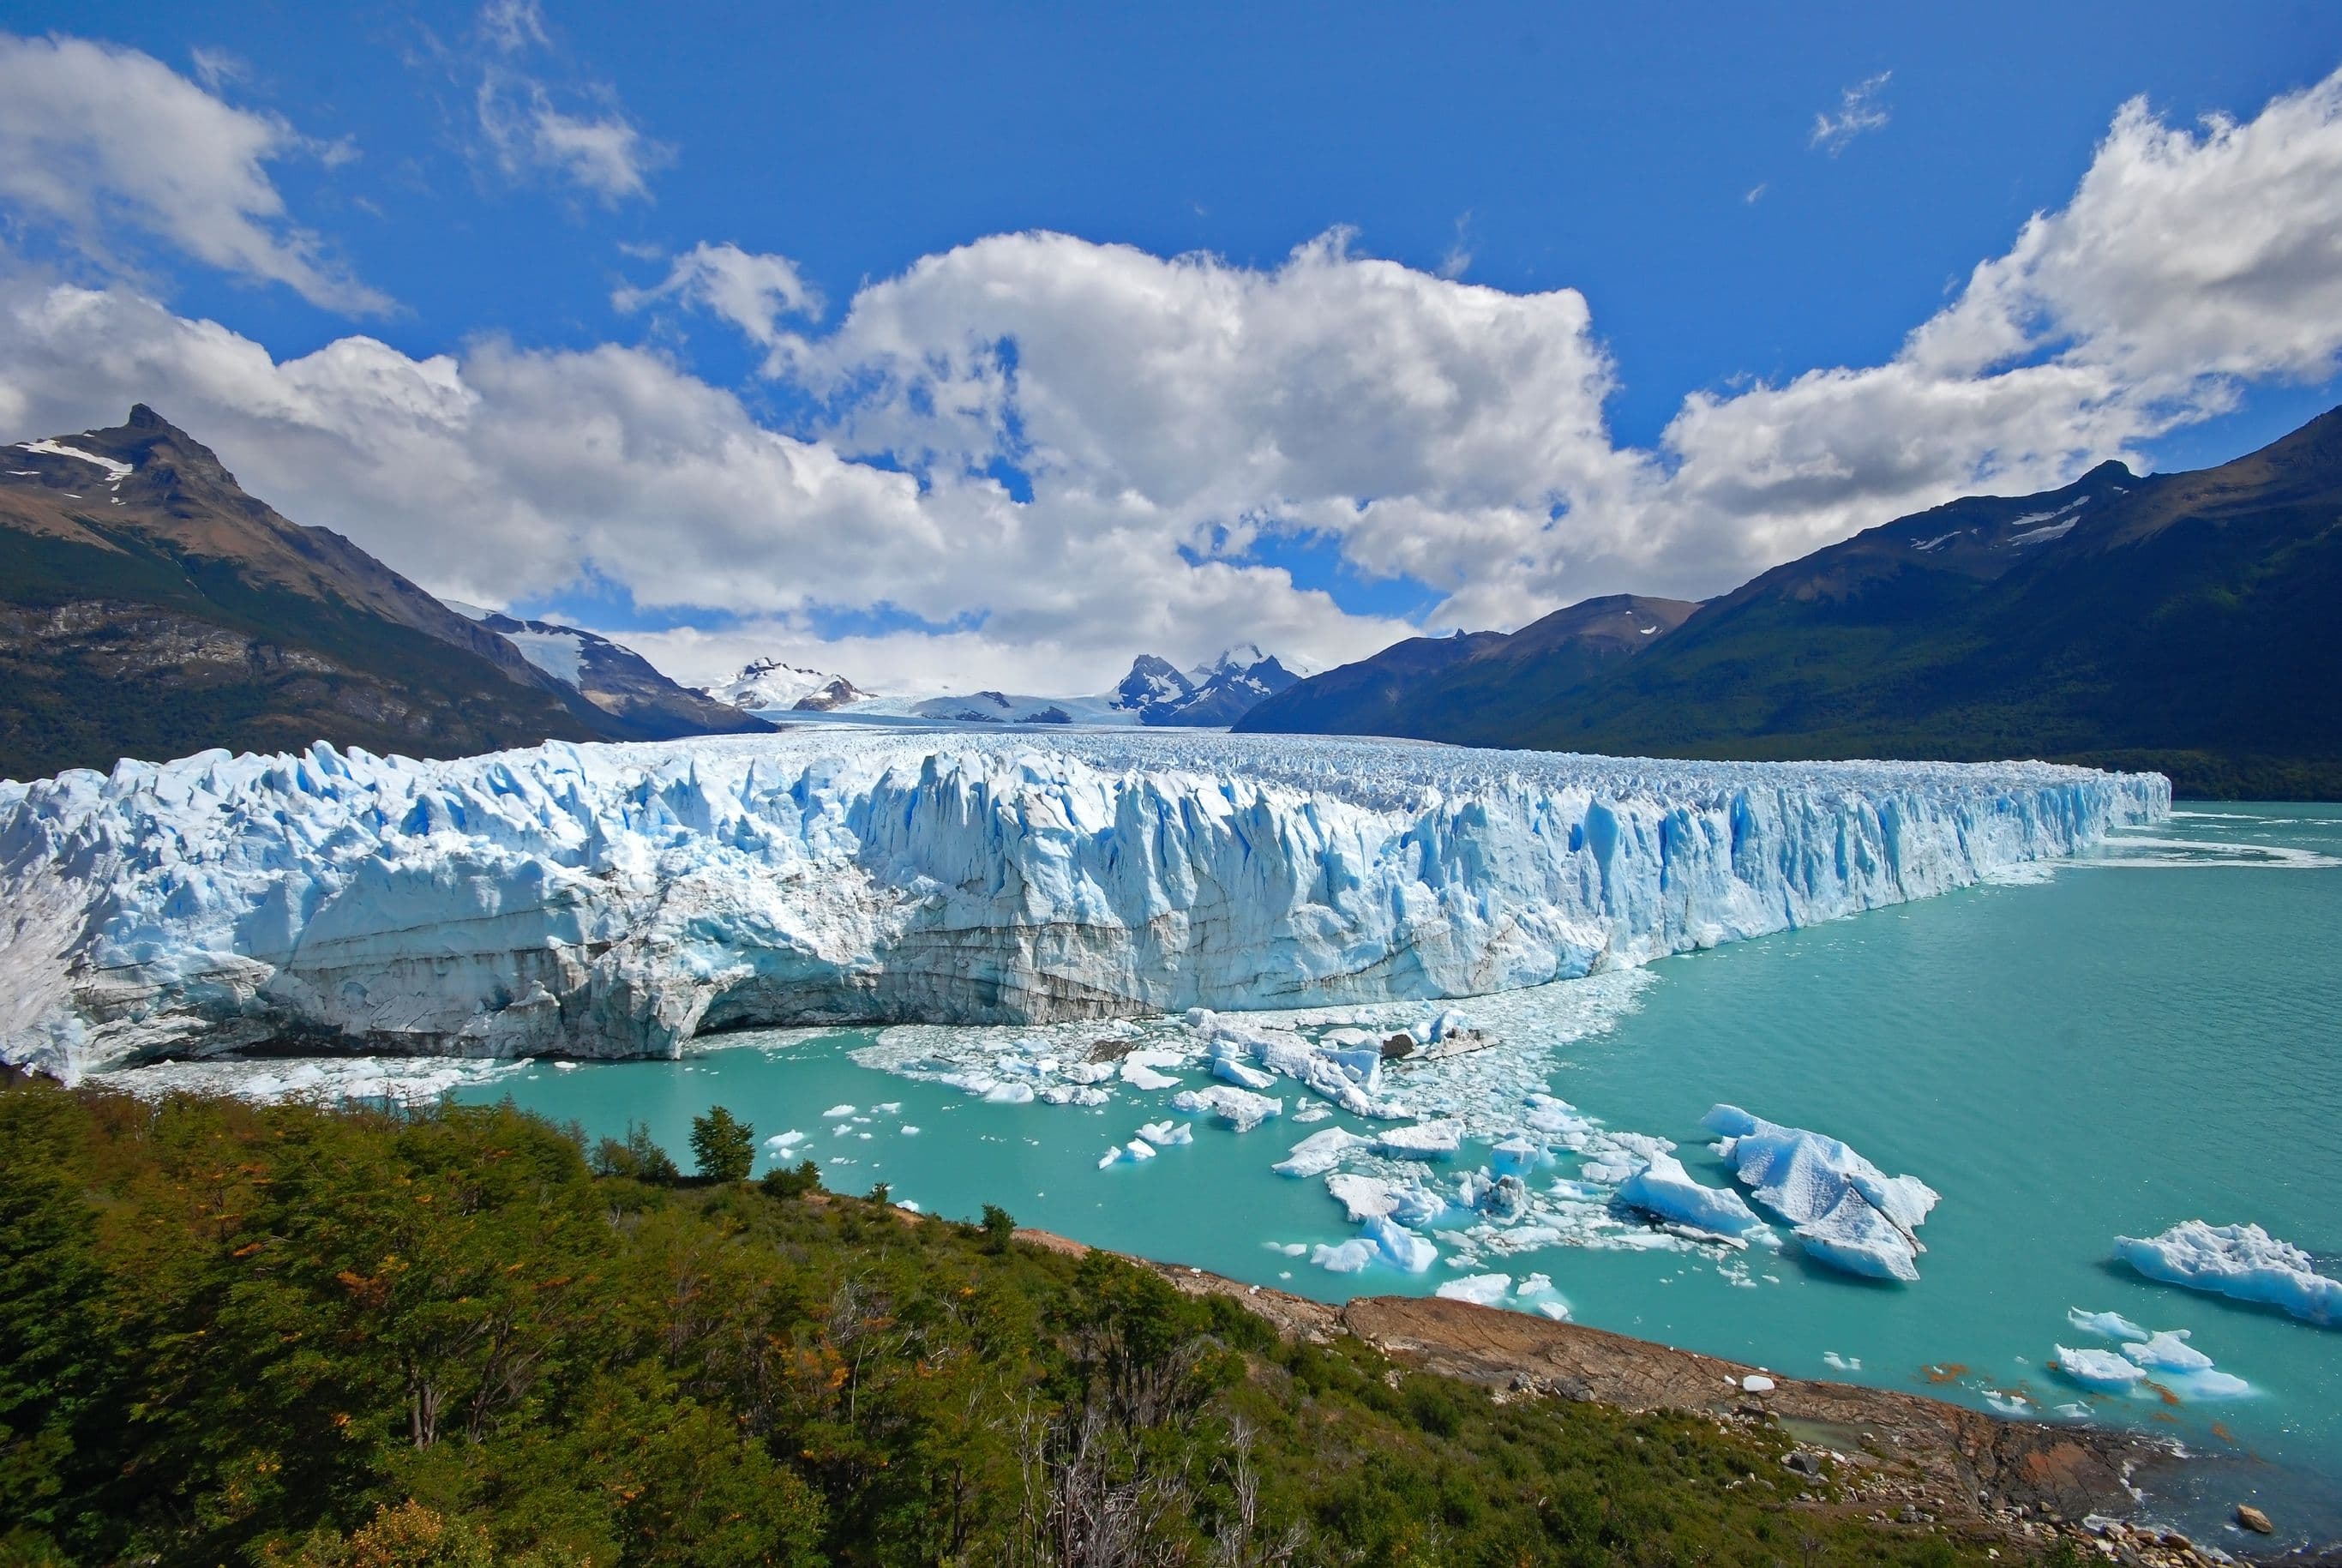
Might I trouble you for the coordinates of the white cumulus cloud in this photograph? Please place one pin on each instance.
(1170, 414)
(94, 137)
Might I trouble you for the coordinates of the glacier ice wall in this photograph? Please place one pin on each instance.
(616, 900)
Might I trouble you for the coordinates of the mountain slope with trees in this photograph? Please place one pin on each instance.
(2174, 622)
(151, 608)
(327, 1339)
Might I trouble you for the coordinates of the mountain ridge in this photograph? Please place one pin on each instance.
(2173, 621)
(151, 607)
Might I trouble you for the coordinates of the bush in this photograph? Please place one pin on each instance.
(999, 1229)
(781, 1181)
(723, 1146)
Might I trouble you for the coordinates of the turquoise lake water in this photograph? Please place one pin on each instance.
(2109, 1050)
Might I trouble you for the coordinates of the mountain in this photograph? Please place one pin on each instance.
(1220, 693)
(149, 608)
(2177, 622)
(642, 703)
(1229, 688)
(1416, 687)
(767, 683)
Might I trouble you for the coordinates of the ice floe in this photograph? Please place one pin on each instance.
(2244, 1262)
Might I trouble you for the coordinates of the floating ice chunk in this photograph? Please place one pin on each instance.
(835, 1112)
(2075, 1412)
(1664, 1188)
(888, 1109)
(1856, 1237)
(2007, 1403)
(788, 1140)
(1139, 1075)
(1239, 1108)
(1319, 1153)
(909, 1131)
(1069, 1095)
(1437, 1140)
(1837, 1362)
(2101, 1370)
(2167, 1350)
(1400, 1247)
(1848, 1212)
(1482, 1290)
(1312, 1112)
(1536, 1284)
(1167, 1134)
(1556, 1118)
(2105, 1325)
(1082, 1073)
(2207, 1383)
(1363, 1198)
(1518, 1156)
(2241, 1262)
(1758, 1382)
(1348, 1258)
(1556, 1309)
(1290, 1249)
(1234, 1072)
(1009, 1094)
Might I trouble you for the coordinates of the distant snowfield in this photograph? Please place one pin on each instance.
(619, 900)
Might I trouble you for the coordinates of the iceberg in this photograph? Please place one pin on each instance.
(1437, 1140)
(1848, 1214)
(1168, 1134)
(1349, 1257)
(2105, 1325)
(617, 900)
(1319, 1153)
(1399, 1246)
(2244, 1262)
(1664, 1189)
(1239, 1108)
(2100, 1370)
(1482, 1290)
(2167, 1350)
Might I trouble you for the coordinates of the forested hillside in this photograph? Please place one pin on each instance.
(297, 1337)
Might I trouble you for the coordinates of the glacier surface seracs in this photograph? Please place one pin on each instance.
(617, 900)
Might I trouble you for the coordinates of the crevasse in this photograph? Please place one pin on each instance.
(617, 900)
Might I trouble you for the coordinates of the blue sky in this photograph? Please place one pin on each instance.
(1735, 203)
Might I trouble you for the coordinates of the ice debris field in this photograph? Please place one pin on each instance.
(619, 900)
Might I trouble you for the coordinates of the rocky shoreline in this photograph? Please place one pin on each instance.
(1899, 1459)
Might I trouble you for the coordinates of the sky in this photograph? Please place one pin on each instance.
(984, 346)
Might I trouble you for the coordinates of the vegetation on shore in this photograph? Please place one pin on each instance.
(302, 1336)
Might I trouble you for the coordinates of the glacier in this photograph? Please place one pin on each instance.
(619, 900)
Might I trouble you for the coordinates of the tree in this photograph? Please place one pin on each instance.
(999, 1228)
(638, 1157)
(724, 1145)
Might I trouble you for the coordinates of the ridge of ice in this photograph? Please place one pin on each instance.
(617, 900)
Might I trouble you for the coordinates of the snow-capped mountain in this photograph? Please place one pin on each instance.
(768, 684)
(1224, 690)
(621, 683)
